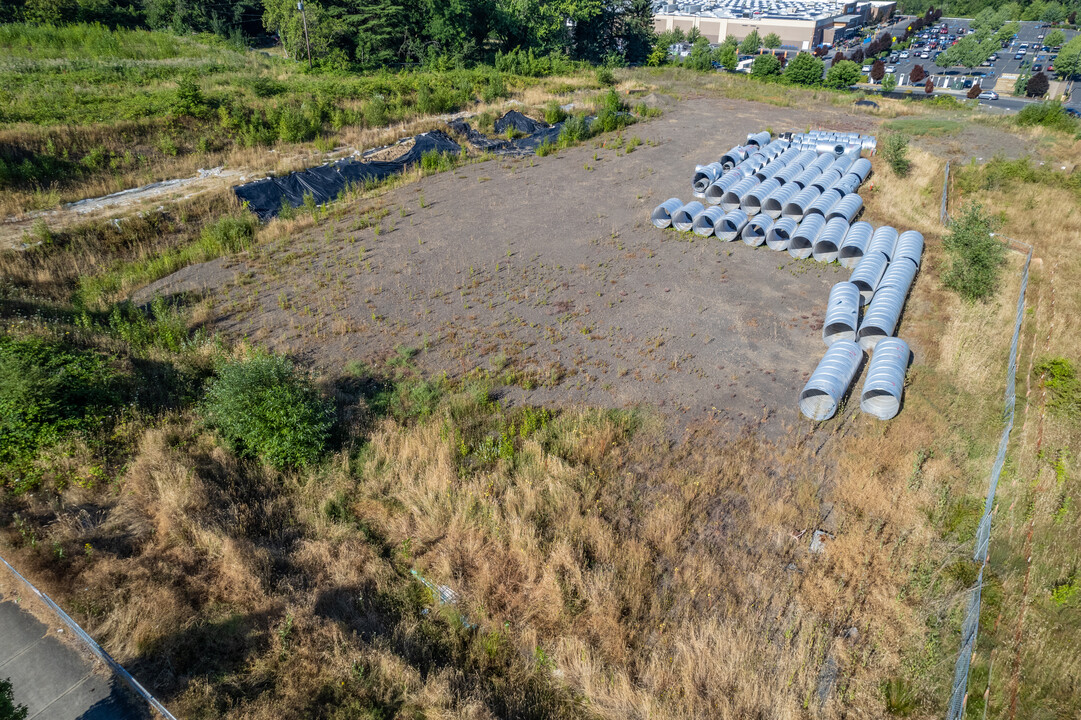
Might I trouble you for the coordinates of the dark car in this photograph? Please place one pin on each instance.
(1037, 67)
(1072, 112)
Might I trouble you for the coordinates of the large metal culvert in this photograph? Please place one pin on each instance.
(803, 239)
(822, 162)
(883, 240)
(752, 200)
(775, 202)
(847, 185)
(830, 147)
(828, 243)
(754, 233)
(706, 221)
(830, 380)
(733, 157)
(882, 315)
(788, 173)
(842, 313)
(683, 219)
(847, 207)
(730, 226)
(842, 164)
(867, 275)
(825, 180)
(769, 171)
(731, 199)
(788, 156)
(855, 244)
(716, 191)
(775, 149)
(796, 208)
(899, 274)
(757, 160)
(805, 178)
(704, 176)
(780, 235)
(805, 158)
(885, 381)
(861, 167)
(662, 215)
(760, 139)
(909, 245)
(824, 203)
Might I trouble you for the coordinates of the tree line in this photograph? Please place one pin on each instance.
(378, 33)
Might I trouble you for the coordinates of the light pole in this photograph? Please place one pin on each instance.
(304, 15)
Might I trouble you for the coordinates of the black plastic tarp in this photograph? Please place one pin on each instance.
(537, 134)
(325, 182)
(518, 121)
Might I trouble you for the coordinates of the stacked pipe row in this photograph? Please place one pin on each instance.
(798, 193)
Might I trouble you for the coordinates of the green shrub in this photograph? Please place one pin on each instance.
(434, 161)
(8, 709)
(605, 77)
(1048, 114)
(976, 256)
(1060, 377)
(263, 407)
(553, 113)
(895, 150)
(576, 128)
(189, 98)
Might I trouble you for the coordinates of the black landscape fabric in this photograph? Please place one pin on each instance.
(537, 133)
(518, 121)
(325, 182)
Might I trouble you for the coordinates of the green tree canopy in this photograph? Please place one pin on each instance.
(1068, 62)
(842, 74)
(771, 41)
(727, 57)
(804, 69)
(701, 57)
(1055, 38)
(750, 44)
(765, 67)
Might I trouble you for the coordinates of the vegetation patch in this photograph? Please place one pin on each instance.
(923, 126)
(977, 257)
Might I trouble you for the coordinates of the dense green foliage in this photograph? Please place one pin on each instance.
(765, 67)
(1049, 114)
(842, 74)
(976, 255)
(8, 709)
(263, 407)
(804, 69)
(895, 150)
(1049, 11)
(1068, 61)
(1060, 378)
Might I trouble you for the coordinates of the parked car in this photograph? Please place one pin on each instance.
(1019, 56)
(1072, 112)
(988, 95)
(865, 69)
(1037, 68)
(904, 54)
(891, 69)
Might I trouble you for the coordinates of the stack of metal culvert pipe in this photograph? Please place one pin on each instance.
(706, 221)
(755, 232)
(909, 245)
(882, 240)
(730, 226)
(715, 192)
(823, 204)
(803, 239)
(788, 173)
(662, 215)
(683, 218)
(885, 381)
(796, 208)
(868, 273)
(774, 203)
(704, 176)
(847, 207)
(805, 178)
(731, 199)
(842, 313)
(780, 235)
(882, 315)
(825, 180)
(754, 198)
(855, 243)
(760, 139)
(847, 184)
(830, 380)
(861, 168)
(828, 243)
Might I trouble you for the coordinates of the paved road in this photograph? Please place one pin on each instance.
(53, 679)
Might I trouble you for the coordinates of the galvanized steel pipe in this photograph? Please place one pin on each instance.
(780, 235)
(803, 239)
(909, 245)
(731, 199)
(734, 157)
(662, 215)
(885, 381)
(861, 167)
(788, 173)
(855, 244)
(899, 274)
(842, 313)
(882, 315)
(883, 240)
(705, 175)
(828, 243)
(760, 139)
(796, 208)
(705, 222)
(730, 225)
(825, 180)
(715, 192)
(868, 273)
(683, 219)
(824, 203)
(847, 207)
(830, 380)
(754, 233)
(753, 199)
(775, 202)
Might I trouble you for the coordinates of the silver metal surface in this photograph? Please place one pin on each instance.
(683, 218)
(868, 273)
(731, 199)
(754, 233)
(662, 215)
(882, 315)
(847, 207)
(830, 380)
(828, 243)
(797, 206)
(855, 244)
(804, 238)
(824, 203)
(706, 221)
(716, 190)
(780, 235)
(909, 245)
(730, 226)
(842, 313)
(752, 200)
(883, 240)
(885, 380)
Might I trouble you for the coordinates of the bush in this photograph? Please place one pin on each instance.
(263, 407)
(1060, 377)
(575, 129)
(977, 257)
(895, 150)
(805, 69)
(765, 66)
(1037, 85)
(1048, 114)
(8, 709)
(605, 77)
(553, 113)
(189, 98)
(842, 75)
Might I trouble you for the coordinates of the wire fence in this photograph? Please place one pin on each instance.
(92, 645)
(970, 626)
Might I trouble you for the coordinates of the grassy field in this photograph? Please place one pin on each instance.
(607, 561)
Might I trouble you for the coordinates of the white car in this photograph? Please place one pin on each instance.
(865, 69)
(904, 54)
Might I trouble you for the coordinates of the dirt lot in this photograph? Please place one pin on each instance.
(547, 272)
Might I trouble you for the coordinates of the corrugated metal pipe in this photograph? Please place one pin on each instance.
(775, 201)
(909, 245)
(828, 243)
(760, 139)
(842, 164)
(755, 232)
(868, 273)
(885, 381)
(730, 225)
(825, 180)
(796, 208)
(847, 184)
(830, 380)
(780, 235)
(704, 176)
(788, 173)
(731, 199)
(847, 207)
(753, 199)
(734, 157)
(805, 178)
(803, 239)
(821, 163)
(830, 147)
(883, 240)
(899, 274)
(824, 203)
(683, 219)
(861, 167)
(715, 192)
(855, 244)
(842, 313)
(706, 221)
(882, 315)
(662, 215)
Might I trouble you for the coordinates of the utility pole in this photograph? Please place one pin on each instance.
(304, 15)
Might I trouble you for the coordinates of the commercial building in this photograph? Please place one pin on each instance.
(801, 24)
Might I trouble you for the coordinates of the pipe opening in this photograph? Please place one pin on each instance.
(825, 251)
(869, 336)
(880, 403)
(838, 331)
(817, 404)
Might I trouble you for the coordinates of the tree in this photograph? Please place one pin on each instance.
(701, 57)
(750, 44)
(1038, 85)
(1053, 14)
(1020, 85)
(8, 709)
(889, 83)
(918, 74)
(878, 70)
(1068, 62)
(1072, 19)
(765, 67)
(839, 57)
(804, 69)
(929, 87)
(842, 74)
(977, 257)
(974, 91)
(771, 41)
(857, 55)
(728, 57)
(895, 150)
(1055, 38)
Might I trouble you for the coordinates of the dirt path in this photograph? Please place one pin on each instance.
(547, 272)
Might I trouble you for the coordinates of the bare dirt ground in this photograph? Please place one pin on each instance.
(547, 272)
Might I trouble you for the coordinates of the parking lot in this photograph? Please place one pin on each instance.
(1006, 62)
